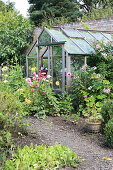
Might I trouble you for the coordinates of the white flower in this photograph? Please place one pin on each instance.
(44, 79)
(5, 75)
(94, 68)
(48, 76)
(5, 81)
(89, 88)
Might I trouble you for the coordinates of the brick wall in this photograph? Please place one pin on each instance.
(102, 24)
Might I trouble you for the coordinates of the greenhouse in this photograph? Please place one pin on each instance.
(59, 51)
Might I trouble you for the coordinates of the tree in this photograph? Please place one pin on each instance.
(15, 36)
(88, 5)
(43, 10)
(6, 7)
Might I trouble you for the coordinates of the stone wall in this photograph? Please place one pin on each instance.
(102, 24)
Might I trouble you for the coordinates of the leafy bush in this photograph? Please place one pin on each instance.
(15, 36)
(103, 59)
(88, 82)
(65, 104)
(107, 111)
(42, 157)
(109, 133)
(40, 97)
(11, 113)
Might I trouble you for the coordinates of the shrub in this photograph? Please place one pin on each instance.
(109, 133)
(15, 36)
(11, 113)
(42, 157)
(107, 111)
(87, 82)
(40, 97)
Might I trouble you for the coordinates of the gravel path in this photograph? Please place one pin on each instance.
(89, 147)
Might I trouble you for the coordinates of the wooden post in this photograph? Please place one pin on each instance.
(42, 61)
(85, 61)
(37, 60)
(27, 69)
(49, 60)
(68, 61)
(52, 61)
(63, 69)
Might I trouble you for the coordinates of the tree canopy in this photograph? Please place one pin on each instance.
(15, 34)
(42, 10)
(70, 10)
(88, 5)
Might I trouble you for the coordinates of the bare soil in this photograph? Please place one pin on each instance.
(90, 147)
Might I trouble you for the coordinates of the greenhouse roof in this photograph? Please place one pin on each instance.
(77, 41)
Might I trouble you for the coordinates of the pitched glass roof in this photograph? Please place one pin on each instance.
(78, 41)
(70, 47)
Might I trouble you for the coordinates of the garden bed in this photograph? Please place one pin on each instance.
(90, 147)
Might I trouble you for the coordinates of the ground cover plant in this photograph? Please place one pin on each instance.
(109, 133)
(42, 157)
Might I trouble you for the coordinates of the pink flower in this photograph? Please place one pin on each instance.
(34, 74)
(104, 55)
(85, 96)
(37, 85)
(106, 90)
(97, 46)
(32, 90)
(38, 79)
(28, 80)
(84, 67)
(31, 84)
(34, 78)
(44, 77)
(68, 75)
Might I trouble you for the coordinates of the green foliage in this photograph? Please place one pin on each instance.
(85, 25)
(65, 103)
(45, 11)
(88, 82)
(42, 99)
(13, 77)
(109, 133)
(92, 109)
(15, 36)
(89, 90)
(42, 157)
(107, 111)
(98, 13)
(94, 9)
(103, 59)
(11, 113)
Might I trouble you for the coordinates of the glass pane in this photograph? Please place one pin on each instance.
(44, 38)
(70, 47)
(32, 66)
(76, 63)
(33, 52)
(57, 72)
(88, 36)
(72, 33)
(99, 36)
(109, 36)
(84, 45)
